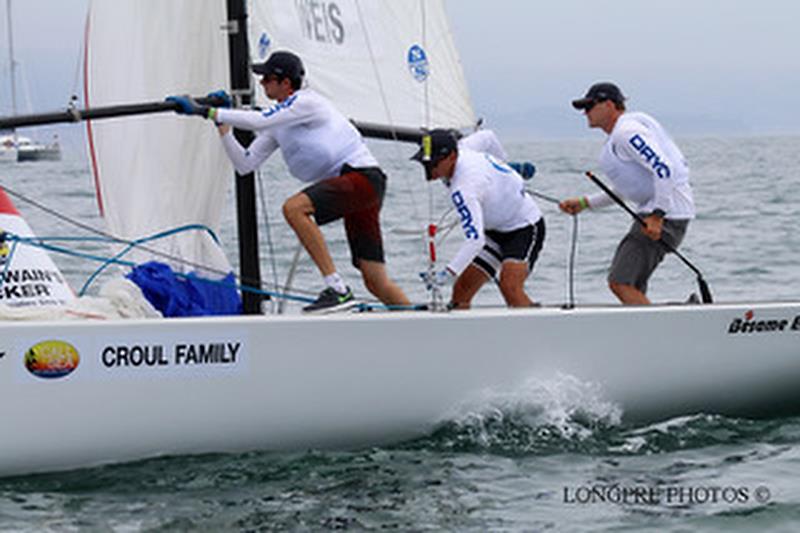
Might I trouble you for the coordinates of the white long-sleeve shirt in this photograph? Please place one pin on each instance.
(646, 167)
(314, 138)
(488, 195)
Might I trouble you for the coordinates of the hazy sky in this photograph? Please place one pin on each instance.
(700, 66)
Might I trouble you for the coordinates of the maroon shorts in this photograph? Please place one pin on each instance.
(356, 196)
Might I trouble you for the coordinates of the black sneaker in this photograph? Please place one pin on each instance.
(330, 300)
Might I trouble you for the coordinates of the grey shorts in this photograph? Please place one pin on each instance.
(638, 255)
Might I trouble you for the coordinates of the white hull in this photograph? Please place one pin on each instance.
(283, 383)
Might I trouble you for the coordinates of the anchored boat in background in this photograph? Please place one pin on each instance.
(14, 147)
(128, 389)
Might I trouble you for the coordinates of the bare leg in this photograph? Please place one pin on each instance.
(377, 282)
(297, 211)
(628, 294)
(512, 283)
(467, 286)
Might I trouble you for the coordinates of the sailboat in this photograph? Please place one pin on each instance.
(87, 392)
(14, 147)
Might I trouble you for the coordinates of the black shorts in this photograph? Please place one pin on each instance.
(356, 196)
(638, 255)
(523, 245)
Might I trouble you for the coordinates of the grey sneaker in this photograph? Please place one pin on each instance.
(330, 300)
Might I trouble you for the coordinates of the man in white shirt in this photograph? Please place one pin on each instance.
(320, 147)
(503, 227)
(646, 167)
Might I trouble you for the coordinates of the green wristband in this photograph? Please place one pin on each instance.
(583, 202)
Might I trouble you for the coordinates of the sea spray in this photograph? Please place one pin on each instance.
(538, 416)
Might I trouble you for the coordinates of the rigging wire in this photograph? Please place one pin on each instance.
(301, 295)
(384, 99)
(571, 253)
(262, 195)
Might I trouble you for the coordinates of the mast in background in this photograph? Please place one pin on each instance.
(11, 62)
(249, 262)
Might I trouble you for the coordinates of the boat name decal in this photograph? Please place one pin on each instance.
(749, 324)
(182, 354)
(51, 359)
(466, 216)
(649, 155)
(321, 21)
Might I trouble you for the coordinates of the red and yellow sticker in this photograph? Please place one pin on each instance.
(51, 359)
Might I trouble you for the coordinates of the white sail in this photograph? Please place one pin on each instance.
(158, 172)
(385, 62)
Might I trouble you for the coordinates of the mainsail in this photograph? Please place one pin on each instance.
(392, 64)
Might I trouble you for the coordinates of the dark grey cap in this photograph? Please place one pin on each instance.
(282, 64)
(599, 92)
(443, 142)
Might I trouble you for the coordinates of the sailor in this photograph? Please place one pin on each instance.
(321, 148)
(646, 167)
(503, 227)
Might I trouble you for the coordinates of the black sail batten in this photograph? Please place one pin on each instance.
(246, 214)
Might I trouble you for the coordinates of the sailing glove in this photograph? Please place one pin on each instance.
(224, 99)
(526, 169)
(186, 105)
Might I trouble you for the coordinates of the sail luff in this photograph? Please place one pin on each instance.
(158, 172)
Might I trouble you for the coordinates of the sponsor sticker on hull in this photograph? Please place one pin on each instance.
(751, 324)
(141, 357)
(52, 359)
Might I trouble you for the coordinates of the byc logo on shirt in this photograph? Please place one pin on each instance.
(650, 156)
(281, 105)
(502, 167)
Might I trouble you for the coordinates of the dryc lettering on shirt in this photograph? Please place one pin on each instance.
(466, 216)
(650, 156)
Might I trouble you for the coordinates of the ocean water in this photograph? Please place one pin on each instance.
(550, 456)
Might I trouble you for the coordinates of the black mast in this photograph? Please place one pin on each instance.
(249, 262)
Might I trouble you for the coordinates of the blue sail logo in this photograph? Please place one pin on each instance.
(418, 63)
(263, 45)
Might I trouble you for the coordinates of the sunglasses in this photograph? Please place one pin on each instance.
(594, 103)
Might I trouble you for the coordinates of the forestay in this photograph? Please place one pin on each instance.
(158, 172)
(391, 63)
